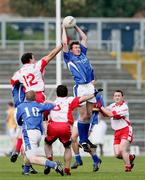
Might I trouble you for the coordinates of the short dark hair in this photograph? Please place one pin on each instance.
(10, 104)
(120, 91)
(61, 91)
(74, 43)
(30, 96)
(26, 58)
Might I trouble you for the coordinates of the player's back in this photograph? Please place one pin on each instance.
(31, 77)
(62, 112)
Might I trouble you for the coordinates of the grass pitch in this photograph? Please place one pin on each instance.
(111, 169)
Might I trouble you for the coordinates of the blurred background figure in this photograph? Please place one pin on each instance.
(11, 125)
(98, 134)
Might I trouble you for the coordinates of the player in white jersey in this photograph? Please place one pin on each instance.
(120, 123)
(59, 126)
(31, 74)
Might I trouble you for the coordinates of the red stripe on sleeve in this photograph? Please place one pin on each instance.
(74, 103)
(43, 65)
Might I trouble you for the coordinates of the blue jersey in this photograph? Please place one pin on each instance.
(79, 66)
(29, 114)
(18, 94)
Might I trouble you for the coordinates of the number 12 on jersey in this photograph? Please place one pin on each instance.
(30, 80)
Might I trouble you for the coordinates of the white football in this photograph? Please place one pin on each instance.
(69, 21)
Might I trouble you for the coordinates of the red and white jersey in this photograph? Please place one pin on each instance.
(121, 115)
(62, 112)
(31, 76)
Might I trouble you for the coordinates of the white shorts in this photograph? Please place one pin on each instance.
(84, 90)
(31, 140)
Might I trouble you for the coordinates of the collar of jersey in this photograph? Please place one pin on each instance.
(119, 104)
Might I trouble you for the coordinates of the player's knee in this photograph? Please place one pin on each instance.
(47, 141)
(74, 139)
(67, 144)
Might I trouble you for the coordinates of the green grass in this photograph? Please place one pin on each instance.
(111, 169)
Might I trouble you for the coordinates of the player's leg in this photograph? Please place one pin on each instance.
(126, 139)
(75, 146)
(49, 155)
(48, 151)
(31, 140)
(117, 151)
(121, 151)
(96, 160)
(39, 160)
(64, 135)
(124, 146)
(49, 139)
(83, 128)
(28, 165)
(85, 112)
(67, 157)
(83, 121)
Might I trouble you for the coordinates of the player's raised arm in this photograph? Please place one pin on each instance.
(53, 53)
(64, 39)
(82, 36)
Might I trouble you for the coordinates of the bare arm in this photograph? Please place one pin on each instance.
(107, 112)
(85, 98)
(64, 39)
(82, 36)
(53, 53)
(49, 101)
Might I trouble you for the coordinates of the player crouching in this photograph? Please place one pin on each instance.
(29, 116)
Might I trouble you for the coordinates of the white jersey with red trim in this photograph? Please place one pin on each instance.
(31, 76)
(121, 115)
(62, 112)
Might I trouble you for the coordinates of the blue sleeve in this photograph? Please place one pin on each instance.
(19, 116)
(92, 75)
(83, 49)
(66, 56)
(46, 107)
(18, 94)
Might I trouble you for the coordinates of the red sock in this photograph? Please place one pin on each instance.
(18, 145)
(50, 158)
(67, 170)
(131, 156)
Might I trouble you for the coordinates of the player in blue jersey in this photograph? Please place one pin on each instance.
(18, 95)
(79, 66)
(29, 116)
